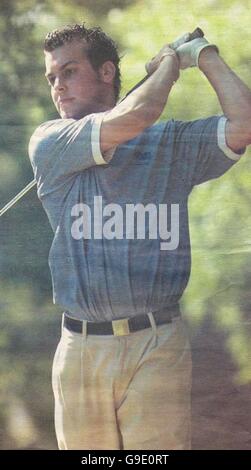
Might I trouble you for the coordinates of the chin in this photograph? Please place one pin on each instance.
(73, 114)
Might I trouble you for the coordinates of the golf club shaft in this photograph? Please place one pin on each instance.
(18, 197)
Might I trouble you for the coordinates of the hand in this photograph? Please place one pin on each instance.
(189, 52)
(154, 63)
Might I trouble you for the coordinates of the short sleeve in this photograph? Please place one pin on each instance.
(201, 145)
(62, 148)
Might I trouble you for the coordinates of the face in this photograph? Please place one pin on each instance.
(76, 88)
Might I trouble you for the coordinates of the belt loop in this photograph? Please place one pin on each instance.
(152, 321)
(62, 323)
(84, 328)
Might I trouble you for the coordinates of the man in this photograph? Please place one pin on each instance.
(122, 369)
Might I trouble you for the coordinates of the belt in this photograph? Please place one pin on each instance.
(123, 326)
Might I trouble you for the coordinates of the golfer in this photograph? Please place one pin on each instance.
(115, 183)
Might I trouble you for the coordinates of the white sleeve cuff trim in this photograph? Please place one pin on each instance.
(95, 139)
(221, 136)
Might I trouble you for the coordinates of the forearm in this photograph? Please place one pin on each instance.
(141, 108)
(148, 101)
(233, 94)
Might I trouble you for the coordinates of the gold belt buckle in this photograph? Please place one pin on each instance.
(120, 327)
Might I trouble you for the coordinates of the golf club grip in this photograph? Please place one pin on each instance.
(197, 33)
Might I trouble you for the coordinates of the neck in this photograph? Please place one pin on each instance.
(107, 100)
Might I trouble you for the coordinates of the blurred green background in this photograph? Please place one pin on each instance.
(217, 302)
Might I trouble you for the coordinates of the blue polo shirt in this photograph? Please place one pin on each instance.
(121, 237)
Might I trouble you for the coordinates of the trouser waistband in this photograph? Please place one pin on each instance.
(123, 326)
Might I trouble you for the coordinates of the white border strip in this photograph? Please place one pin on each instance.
(95, 139)
(221, 136)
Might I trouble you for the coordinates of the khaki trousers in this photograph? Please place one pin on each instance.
(123, 392)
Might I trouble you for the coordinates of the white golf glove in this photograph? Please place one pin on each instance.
(189, 52)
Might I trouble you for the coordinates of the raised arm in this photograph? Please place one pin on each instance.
(233, 94)
(234, 97)
(144, 105)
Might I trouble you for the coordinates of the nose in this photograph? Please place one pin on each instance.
(58, 84)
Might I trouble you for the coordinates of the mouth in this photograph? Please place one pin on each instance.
(63, 101)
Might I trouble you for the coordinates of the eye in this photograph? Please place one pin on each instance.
(68, 72)
(51, 80)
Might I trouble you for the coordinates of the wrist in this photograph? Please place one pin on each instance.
(207, 57)
(169, 63)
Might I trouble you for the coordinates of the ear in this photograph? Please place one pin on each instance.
(107, 71)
